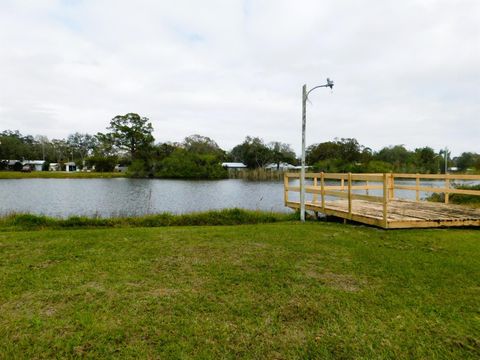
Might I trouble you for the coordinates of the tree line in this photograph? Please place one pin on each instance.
(347, 155)
(129, 141)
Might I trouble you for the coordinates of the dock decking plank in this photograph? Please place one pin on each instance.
(401, 213)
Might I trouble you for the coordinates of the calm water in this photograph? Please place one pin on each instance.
(128, 197)
(122, 197)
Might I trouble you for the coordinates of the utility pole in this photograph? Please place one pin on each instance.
(305, 94)
(302, 170)
(446, 160)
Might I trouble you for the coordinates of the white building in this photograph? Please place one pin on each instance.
(234, 165)
(70, 166)
(35, 165)
(54, 167)
(283, 166)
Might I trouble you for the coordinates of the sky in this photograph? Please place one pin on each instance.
(405, 72)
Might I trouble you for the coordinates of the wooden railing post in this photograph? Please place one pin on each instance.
(447, 186)
(315, 196)
(391, 187)
(385, 201)
(366, 188)
(350, 194)
(322, 184)
(417, 186)
(342, 183)
(285, 188)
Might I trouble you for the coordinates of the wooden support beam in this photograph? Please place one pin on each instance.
(322, 189)
(417, 186)
(447, 187)
(391, 186)
(350, 194)
(385, 201)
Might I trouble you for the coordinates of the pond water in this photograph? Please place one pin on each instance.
(131, 197)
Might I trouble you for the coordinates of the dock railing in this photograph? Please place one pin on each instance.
(351, 187)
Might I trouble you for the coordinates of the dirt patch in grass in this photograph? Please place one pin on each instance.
(342, 282)
(162, 292)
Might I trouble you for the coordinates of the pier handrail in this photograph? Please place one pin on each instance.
(447, 178)
(346, 186)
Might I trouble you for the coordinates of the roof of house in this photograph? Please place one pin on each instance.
(234, 165)
(34, 162)
(283, 165)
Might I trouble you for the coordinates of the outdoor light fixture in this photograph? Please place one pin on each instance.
(305, 94)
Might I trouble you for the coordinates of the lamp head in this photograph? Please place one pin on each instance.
(330, 83)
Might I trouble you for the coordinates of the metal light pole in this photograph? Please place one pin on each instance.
(446, 160)
(305, 94)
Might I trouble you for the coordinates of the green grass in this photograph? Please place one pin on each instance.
(265, 291)
(59, 175)
(19, 222)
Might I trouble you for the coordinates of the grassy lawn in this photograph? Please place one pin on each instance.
(58, 175)
(283, 290)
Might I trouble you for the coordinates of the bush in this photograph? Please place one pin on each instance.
(182, 164)
(377, 166)
(103, 163)
(458, 198)
(139, 169)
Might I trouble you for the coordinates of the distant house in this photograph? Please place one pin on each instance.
(299, 167)
(15, 165)
(70, 166)
(120, 168)
(35, 165)
(54, 167)
(283, 166)
(234, 165)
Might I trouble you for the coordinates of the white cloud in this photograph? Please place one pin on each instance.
(405, 72)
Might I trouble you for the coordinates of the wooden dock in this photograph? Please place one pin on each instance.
(374, 199)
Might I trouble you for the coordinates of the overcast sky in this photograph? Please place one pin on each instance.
(405, 72)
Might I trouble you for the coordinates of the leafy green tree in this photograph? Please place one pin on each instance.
(202, 145)
(378, 166)
(61, 150)
(349, 150)
(182, 164)
(323, 151)
(11, 145)
(282, 152)
(163, 150)
(425, 160)
(130, 132)
(468, 160)
(340, 155)
(82, 145)
(396, 155)
(252, 152)
(102, 163)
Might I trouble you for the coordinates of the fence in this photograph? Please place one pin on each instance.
(350, 187)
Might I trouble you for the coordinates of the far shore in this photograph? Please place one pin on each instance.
(59, 175)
